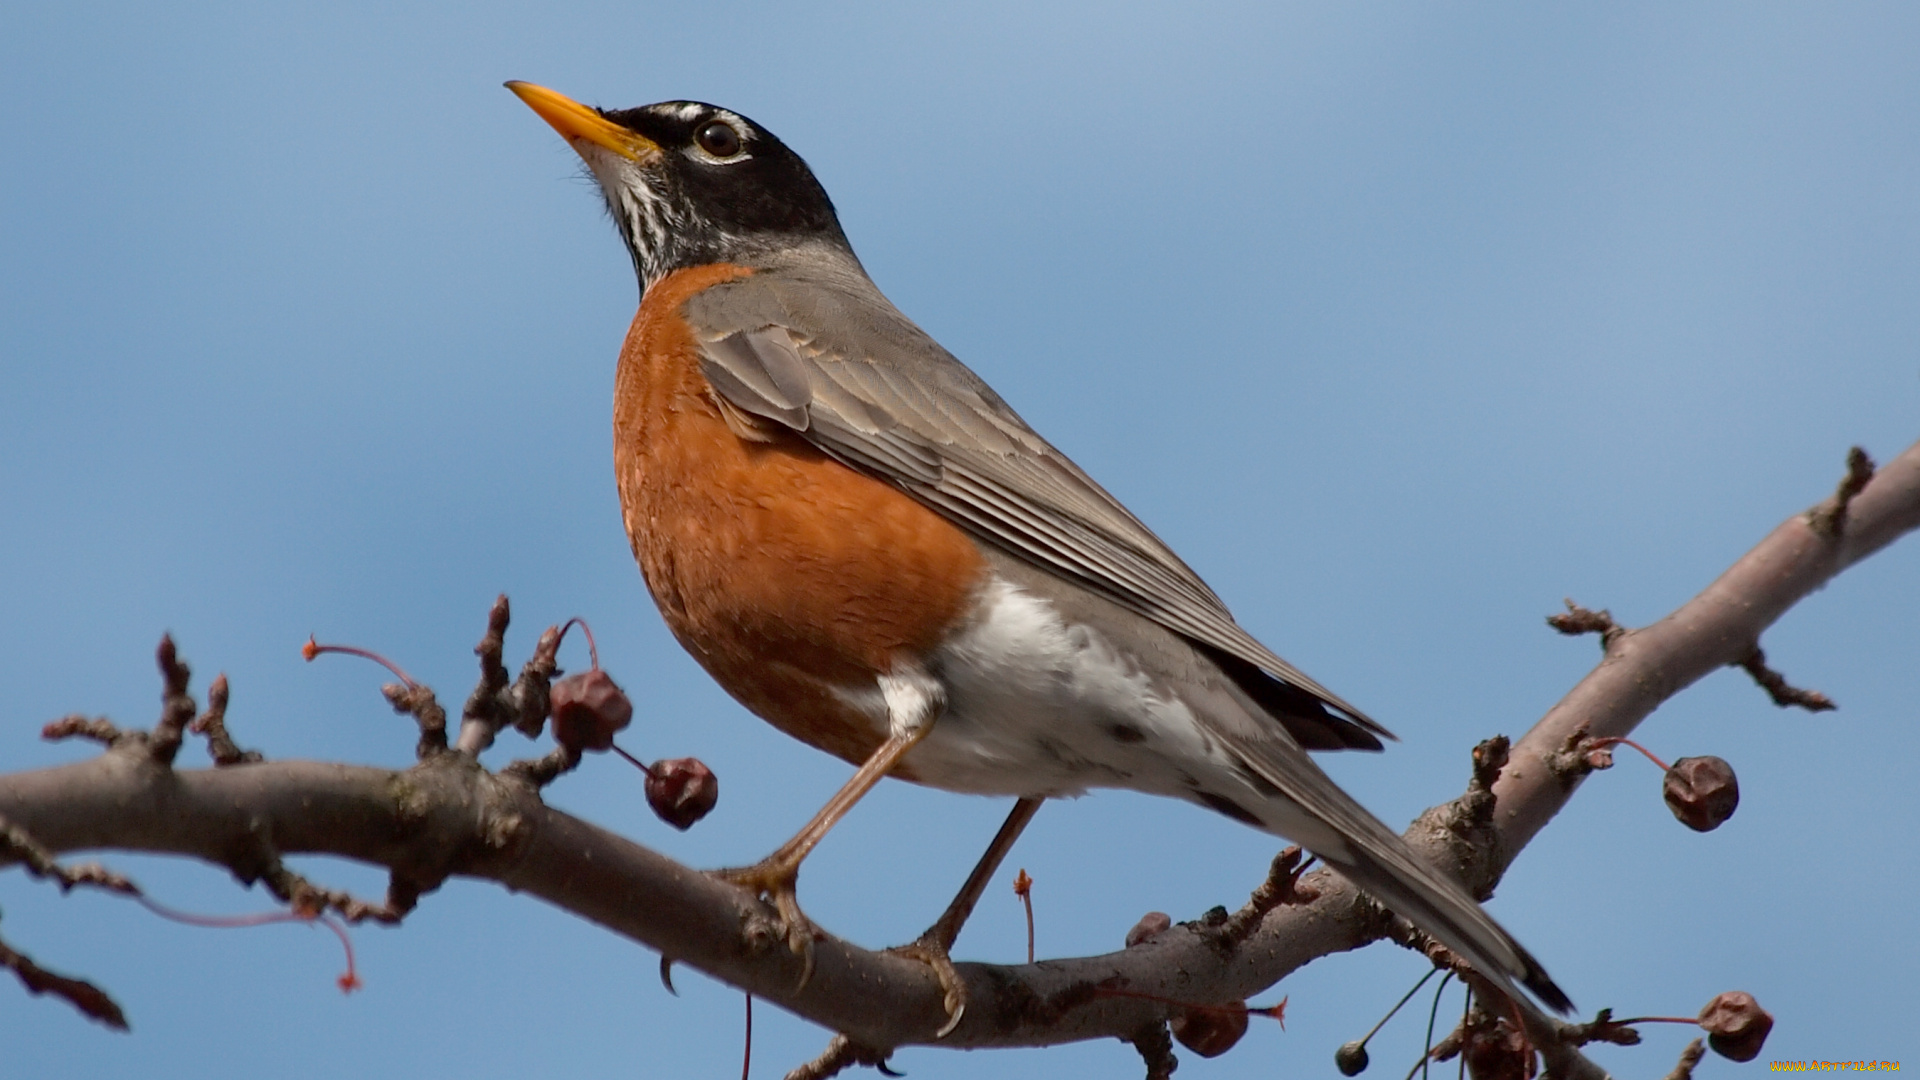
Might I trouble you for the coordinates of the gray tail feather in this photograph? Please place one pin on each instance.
(1304, 805)
(1443, 909)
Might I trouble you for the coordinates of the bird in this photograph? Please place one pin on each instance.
(867, 547)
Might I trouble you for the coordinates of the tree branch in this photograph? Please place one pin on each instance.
(1718, 628)
(449, 816)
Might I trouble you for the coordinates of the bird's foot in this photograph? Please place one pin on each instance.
(929, 950)
(773, 880)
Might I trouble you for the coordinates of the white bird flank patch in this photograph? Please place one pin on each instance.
(913, 699)
(1036, 706)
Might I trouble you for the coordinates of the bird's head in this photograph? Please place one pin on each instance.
(690, 184)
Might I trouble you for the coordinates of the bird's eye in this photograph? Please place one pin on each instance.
(718, 139)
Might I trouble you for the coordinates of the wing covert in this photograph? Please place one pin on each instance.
(908, 412)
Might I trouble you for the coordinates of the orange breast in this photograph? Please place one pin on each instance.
(785, 573)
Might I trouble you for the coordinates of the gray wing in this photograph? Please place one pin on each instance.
(879, 394)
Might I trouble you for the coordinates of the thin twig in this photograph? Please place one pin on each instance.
(1783, 693)
(92, 1001)
(75, 726)
(1830, 518)
(544, 770)
(1280, 887)
(417, 700)
(1689, 1057)
(176, 706)
(1577, 621)
(17, 844)
(213, 724)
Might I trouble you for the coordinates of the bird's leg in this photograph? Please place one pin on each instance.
(773, 878)
(946, 928)
(932, 948)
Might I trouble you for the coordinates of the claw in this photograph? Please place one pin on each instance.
(798, 930)
(953, 1020)
(930, 952)
(773, 881)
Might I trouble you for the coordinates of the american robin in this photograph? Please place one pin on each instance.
(869, 549)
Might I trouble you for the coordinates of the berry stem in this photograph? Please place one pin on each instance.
(1623, 739)
(593, 651)
(637, 763)
(1404, 998)
(349, 980)
(313, 649)
(1433, 1014)
(1023, 888)
(746, 1062)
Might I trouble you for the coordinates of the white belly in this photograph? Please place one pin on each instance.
(1037, 706)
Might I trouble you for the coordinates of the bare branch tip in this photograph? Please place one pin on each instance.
(1577, 620)
(1489, 758)
(541, 771)
(1475, 807)
(494, 706)
(493, 674)
(75, 726)
(17, 844)
(417, 700)
(213, 724)
(173, 670)
(531, 696)
(1689, 1057)
(1783, 693)
(309, 900)
(92, 1001)
(1602, 1028)
(1282, 886)
(177, 707)
(1829, 519)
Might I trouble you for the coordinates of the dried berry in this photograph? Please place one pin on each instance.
(1351, 1058)
(682, 791)
(1702, 792)
(1736, 1025)
(1210, 1032)
(1149, 927)
(587, 709)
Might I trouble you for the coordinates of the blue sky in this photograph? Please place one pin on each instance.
(1399, 322)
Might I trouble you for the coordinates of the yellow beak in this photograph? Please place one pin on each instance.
(577, 123)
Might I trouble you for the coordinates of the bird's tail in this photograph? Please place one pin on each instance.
(1294, 799)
